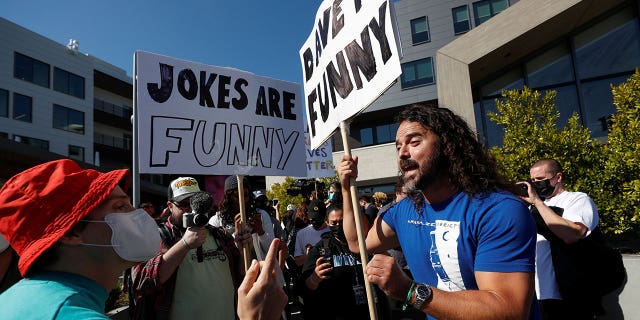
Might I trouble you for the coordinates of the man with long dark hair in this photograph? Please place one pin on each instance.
(469, 243)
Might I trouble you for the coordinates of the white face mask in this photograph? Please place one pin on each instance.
(135, 236)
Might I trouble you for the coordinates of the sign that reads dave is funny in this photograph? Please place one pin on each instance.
(199, 119)
(349, 59)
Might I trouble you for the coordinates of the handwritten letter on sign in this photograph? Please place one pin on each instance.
(349, 59)
(199, 119)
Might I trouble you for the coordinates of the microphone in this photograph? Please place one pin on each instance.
(200, 205)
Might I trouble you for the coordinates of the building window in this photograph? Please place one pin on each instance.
(484, 10)
(460, 19)
(4, 103)
(38, 143)
(419, 30)
(417, 73)
(76, 153)
(68, 119)
(22, 106)
(69, 83)
(29, 69)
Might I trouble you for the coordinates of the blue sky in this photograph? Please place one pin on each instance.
(258, 36)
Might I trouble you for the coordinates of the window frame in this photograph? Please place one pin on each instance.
(28, 70)
(4, 112)
(466, 8)
(67, 115)
(415, 35)
(404, 84)
(65, 83)
(30, 113)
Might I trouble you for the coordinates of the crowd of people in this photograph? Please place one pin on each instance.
(457, 241)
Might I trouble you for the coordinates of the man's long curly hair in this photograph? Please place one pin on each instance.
(469, 165)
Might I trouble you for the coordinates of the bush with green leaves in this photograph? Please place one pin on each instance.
(609, 173)
(619, 193)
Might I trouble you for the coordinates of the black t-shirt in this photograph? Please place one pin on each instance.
(334, 298)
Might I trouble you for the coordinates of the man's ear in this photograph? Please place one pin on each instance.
(72, 237)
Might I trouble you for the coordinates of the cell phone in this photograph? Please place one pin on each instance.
(275, 202)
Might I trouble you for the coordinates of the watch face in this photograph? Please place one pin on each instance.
(423, 293)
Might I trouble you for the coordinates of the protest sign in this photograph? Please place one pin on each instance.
(193, 118)
(319, 160)
(348, 60)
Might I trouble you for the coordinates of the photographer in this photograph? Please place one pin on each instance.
(181, 283)
(332, 283)
(310, 235)
(579, 218)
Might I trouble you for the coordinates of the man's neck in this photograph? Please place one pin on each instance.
(439, 192)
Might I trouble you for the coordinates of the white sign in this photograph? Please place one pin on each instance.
(349, 59)
(319, 160)
(199, 119)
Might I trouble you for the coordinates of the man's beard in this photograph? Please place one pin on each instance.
(428, 173)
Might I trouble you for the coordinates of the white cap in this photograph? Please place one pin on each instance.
(291, 206)
(182, 188)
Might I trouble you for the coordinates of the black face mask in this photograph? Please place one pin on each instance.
(338, 232)
(317, 224)
(544, 188)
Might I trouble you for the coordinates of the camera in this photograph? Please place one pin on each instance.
(275, 202)
(522, 189)
(304, 187)
(194, 220)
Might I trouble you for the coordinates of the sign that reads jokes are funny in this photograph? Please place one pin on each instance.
(200, 119)
(348, 60)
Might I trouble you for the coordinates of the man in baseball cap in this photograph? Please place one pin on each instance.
(75, 231)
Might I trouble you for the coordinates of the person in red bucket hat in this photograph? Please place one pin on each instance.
(75, 231)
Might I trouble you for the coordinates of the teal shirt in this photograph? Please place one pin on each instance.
(54, 295)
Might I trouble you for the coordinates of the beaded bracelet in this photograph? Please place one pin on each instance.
(409, 294)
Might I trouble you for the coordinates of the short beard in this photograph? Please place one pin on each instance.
(429, 172)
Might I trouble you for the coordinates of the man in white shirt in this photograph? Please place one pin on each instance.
(310, 235)
(579, 218)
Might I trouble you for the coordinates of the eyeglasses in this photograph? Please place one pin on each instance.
(184, 205)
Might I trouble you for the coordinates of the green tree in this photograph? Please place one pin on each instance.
(619, 194)
(279, 191)
(529, 120)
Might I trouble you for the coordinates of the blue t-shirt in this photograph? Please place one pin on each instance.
(447, 242)
(54, 295)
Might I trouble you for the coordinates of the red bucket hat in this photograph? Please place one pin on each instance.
(39, 205)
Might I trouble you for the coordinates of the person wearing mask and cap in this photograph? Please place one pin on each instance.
(180, 281)
(75, 231)
(310, 235)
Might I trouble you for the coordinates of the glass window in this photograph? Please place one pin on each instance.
(419, 30)
(22, 106)
(416, 73)
(494, 133)
(460, 19)
(549, 68)
(76, 153)
(4, 103)
(38, 143)
(566, 102)
(484, 10)
(69, 83)
(508, 81)
(366, 136)
(386, 133)
(29, 69)
(68, 119)
(598, 104)
(610, 46)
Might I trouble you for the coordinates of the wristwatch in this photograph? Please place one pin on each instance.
(423, 294)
